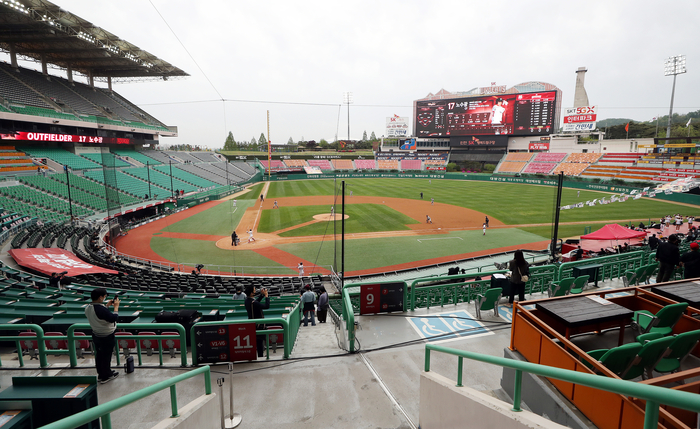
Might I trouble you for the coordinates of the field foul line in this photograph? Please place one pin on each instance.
(234, 211)
(441, 238)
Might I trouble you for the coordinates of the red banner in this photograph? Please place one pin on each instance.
(539, 146)
(242, 342)
(429, 168)
(369, 299)
(66, 138)
(53, 260)
(579, 119)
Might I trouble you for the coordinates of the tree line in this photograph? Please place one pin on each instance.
(231, 144)
(615, 127)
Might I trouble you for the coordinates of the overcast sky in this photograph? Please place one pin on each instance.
(296, 59)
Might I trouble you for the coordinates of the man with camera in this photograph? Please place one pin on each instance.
(103, 323)
(254, 306)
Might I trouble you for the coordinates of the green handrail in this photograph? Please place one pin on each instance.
(349, 316)
(288, 342)
(414, 283)
(634, 258)
(71, 337)
(103, 411)
(654, 395)
(40, 338)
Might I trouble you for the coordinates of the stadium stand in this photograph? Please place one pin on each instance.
(13, 161)
(519, 157)
(539, 168)
(549, 157)
(60, 156)
(161, 179)
(182, 156)
(295, 163)
(220, 170)
(622, 159)
(411, 164)
(42, 200)
(571, 168)
(98, 158)
(246, 168)
(16, 93)
(275, 163)
(130, 184)
(182, 174)
(601, 171)
(206, 156)
(323, 164)
(158, 156)
(511, 167)
(388, 164)
(136, 155)
(365, 164)
(92, 187)
(588, 158)
(343, 164)
(640, 173)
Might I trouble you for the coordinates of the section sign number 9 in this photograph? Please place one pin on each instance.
(382, 298)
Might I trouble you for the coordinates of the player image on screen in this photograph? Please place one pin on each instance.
(498, 111)
(503, 114)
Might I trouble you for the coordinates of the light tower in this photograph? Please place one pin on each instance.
(674, 66)
(580, 95)
(347, 99)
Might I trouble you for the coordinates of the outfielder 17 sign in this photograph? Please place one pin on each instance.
(382, 297)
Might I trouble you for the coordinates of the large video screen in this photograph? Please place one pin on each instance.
(500, 114)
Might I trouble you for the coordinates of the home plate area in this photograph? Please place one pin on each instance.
(448, 326)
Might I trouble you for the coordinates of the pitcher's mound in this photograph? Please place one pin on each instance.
(327, 217)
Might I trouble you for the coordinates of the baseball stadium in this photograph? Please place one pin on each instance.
(563, 268)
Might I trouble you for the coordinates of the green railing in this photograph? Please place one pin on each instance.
(182, 336)
(103, 411)
(653, 395)
(614, 266)
(451, 293)
(40, 338)
(71, 339)
(349, 316)
(290, 329)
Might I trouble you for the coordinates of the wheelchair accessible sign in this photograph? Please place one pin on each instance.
(448, 326)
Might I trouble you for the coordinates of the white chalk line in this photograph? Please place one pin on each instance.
(420, 240)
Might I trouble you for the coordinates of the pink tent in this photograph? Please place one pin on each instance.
(614, 232)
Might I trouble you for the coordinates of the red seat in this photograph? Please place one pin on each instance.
(29, 346)
(147, 344)
(55, 344)
(276, 339)
(125, 344)
(171, 344)
(81, 345)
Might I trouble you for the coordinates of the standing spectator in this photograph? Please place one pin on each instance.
(103, 324)
(322, 305)
(254, 306)
(300, 267)
(653, 242)
(668, 256)
(307, 302)
(690, 262)
(239, 295)
(518, 267)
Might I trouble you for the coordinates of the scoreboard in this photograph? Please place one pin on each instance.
(501, 114)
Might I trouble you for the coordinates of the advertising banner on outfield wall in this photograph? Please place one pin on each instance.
(538, 146)
(479, 141)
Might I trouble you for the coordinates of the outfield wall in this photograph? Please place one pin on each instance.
(675, 197)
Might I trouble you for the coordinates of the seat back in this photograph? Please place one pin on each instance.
(668, 316)
(171, 344)
(680, 348)
(28, 344)
(55, 344)
(147, 344)
(650, 354)
(81, 344)
(125, 343)
(491, 297)
(618, 359)
(650, 270)
(579, 283)
(562, 287)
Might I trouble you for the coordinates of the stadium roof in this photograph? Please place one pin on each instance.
(38, 29)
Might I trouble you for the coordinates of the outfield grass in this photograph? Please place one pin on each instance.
(509, 203)
(218, 220)
(253, 193)
(381, 252)
(361, 218)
